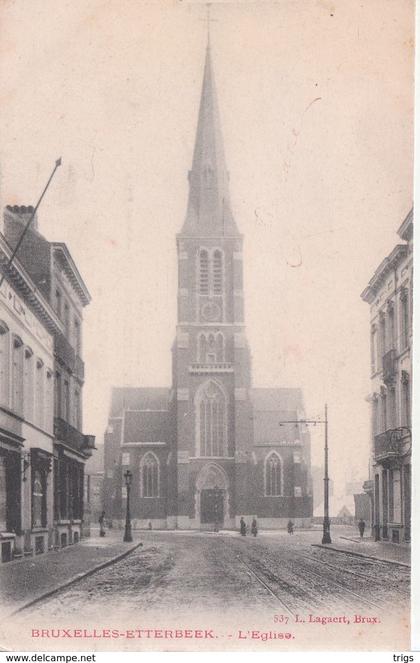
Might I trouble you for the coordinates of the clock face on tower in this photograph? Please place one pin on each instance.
(211, 311)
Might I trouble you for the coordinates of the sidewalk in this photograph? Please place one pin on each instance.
(24, 581)
(380, 550)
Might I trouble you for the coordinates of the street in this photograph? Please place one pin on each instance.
(205, 579)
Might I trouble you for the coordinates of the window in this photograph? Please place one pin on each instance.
(77, 412)
(273, 475)
(28, 384)
(405, 399)
(382, 334)
(66, 320)
(17, 374)
(373, 348)
(217, 272)
(49, 401)
(211, 417)
(4, 363)
(391, 326)
(3, 494)
(404, 319)
(384, 419)
(204, 272)
(77, 337)
(58, 407)
(39, 498)
(39, 393)
(211, 348)
(58, 303)
(149, 476)
(125, 458)
(66, 401)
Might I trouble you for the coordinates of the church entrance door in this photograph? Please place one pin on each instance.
(212, 509)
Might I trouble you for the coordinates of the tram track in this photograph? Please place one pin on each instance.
(305, 596)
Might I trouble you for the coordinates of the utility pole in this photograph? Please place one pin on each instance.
(326, 536)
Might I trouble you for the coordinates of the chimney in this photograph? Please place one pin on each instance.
(21, 213)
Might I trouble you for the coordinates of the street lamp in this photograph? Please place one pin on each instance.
(326, 536)
(127, 533)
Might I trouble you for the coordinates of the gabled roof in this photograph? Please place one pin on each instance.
(138, 398)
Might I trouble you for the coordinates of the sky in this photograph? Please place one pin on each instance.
(316, 103)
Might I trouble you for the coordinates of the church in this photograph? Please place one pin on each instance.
(211, 448)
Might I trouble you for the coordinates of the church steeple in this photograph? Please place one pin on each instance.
(209, 211)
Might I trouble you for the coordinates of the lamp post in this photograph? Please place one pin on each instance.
(326, 536)
(127, 533)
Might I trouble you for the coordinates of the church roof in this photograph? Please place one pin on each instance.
(138, 398)
(271, 407)
(209, 210)
(146, 427)
(264, 398)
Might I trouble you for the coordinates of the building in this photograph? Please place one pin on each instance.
(27, 327)
(211, 448)
(56, 282)
(390, 296)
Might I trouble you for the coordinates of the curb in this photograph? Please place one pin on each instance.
(74, 580)
(357, 554)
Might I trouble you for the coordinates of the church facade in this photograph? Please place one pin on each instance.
(211, 448)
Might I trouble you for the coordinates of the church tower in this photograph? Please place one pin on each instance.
(211, 360)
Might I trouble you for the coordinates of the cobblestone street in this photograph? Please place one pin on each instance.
(193, 578)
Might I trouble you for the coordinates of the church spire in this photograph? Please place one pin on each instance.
(209, 211)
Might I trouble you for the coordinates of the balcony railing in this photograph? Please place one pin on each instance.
(388, 445)
(66, 433)
(211, 367)
(388, 366)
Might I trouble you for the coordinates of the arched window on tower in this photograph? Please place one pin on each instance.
(204, 273)
(217, 272)
(149, 475)
(211, 412)
(273, 475)
(4, 363)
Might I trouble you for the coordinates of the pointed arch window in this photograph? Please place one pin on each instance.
(149, 475)
(217, 272)
(4, 362)
(273, 475)
(204, 272)
(212, 421)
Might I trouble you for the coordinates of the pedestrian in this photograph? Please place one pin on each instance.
(102, 524)
(290, 527)
(254, 528)
(150, 524)
(361, 525)
(242, 526)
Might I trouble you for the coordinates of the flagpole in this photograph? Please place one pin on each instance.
(17, 247)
